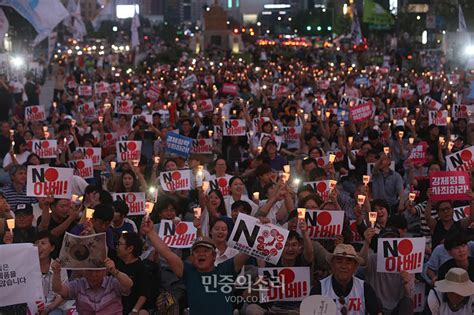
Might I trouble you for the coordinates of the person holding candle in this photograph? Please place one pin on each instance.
(17, 156)
(23, 231)
(15, 193)
(212, 208)
(388, 185)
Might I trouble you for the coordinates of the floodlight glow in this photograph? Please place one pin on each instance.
(469, 50)
(17, 61)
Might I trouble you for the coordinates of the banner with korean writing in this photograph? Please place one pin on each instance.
(202, 146)
(83, 252)
(419, 297)
(348, 101)
(35, 113)
(124, 107)
(292, 136)
(284, 284)
(438, 118)
(144, 117)
(362, 112)
(87, 109)
(206, 106)
(221, 183)
(92, 153)
(230, 89)
(82, 168)
(181, 235)
(356, 237)
(461, 111)
(398, 113)
(21, 274)
(324, 224)
(45, 149)
(265, 241)
(176, 180)
(234, 127)
(418, 154)
(431, 104)
(42, 181)
(178, 144)
(400, 254)
(189, 81)
(134, 200)
(101, 87)
(322, 187)
(451, 185)
(128, 150)
(462, 160)
(110, 139)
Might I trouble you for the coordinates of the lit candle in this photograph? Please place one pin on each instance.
(360, 199)
(89, 213)
(411, 140)
(197, 212)
(350, 139)
(286, 168)
(372, 218)
(205, 185)
(386, 150)
(256, 195)
(332, 157)
(11, 224)
(301, 213)
(113, 164)
(411, 196)
(366, 179)
(157, 159)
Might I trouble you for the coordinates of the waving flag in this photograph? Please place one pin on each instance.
(134, 29)
(355, 28)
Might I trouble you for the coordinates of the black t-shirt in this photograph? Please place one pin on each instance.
(52, 225)
(440, 232)
(5, 144)
(443, 270)
(141, 283)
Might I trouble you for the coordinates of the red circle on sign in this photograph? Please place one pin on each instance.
(440, 114)
(34, 109)
(109, 136)
(124, 104)
(399, 110)
(51, 174)
(324, 218)
(320, 162)
(131, 198)
(86, 107)
(466, 155)
(131, 146)
(202, 142)
(286, 275)
(463, 108)
(80, 164)
(176, 176)
(181, 228)
(222, 182)
(467, 211)
(339, 154)
(405, 247)
(354, 226)
(45, 144)
(292, 130)
(321, 187)
(235, 123)
(89, 152)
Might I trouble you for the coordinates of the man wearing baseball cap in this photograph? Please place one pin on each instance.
(24, 231)
(206, 294)
(351, 295)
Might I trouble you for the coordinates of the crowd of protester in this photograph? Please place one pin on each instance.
(145, 276)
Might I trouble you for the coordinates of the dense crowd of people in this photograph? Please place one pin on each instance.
(299, 130)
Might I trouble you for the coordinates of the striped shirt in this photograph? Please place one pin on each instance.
(15, 198)
(420, 210)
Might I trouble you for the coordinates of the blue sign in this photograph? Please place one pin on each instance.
(361, 80)
(178, 144)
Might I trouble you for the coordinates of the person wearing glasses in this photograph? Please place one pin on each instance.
(351, 294)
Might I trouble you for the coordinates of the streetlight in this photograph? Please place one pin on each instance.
(115, 28)
(418, 17)
(308, 28)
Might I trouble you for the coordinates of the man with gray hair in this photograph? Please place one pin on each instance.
(15, 192)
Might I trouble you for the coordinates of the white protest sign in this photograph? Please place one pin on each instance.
(462, 160)
(438, 118)
(419, 297)
(461, 212)
(148, 118)
(318, 305)
(35, 113)
(265, 241)
(322, 187)
(431, 104)
(110, 138)
(45, 149)
(83, 252)
(292, 136)
(82, 168)
(400, 254)
(87, 109)
(92, 153)
(20, 263)
(285, 284)
(124, 107)
(176, 180)
(44, 180)
(181, 235)
(202, 146)
(234, 127)
(128, 150)
(84, 90)
(220, 183)
(134, 200)
(324, 224)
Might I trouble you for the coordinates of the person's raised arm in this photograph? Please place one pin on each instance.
(61, 228)
(175, 263)
(429, 219)
(364, 252)
(125, 282)
(467, 221)
(58, 287)
(308, 252)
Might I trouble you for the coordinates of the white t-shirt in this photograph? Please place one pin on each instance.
(20, 158)
(439, 307)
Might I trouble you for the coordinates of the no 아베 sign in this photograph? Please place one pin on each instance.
(135, 201)
(285, 284)
(324, 224)
(176, 180)
(181, 235)
(128, 150)
(44, 180)
(400, 254)
(265, 241)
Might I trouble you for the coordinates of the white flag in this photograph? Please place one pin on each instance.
(134, 29)
(76, 24)
(355, 28)
(52, 38)
(462, 23)
(3, 26)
